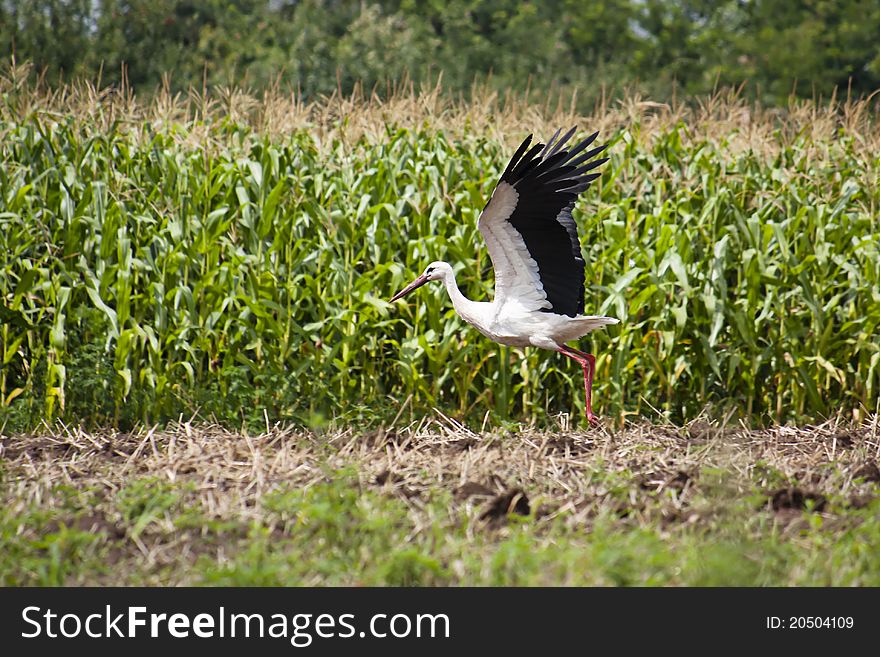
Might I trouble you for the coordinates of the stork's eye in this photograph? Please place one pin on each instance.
(430, 269)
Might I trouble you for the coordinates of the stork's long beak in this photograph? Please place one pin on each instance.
(421, 280)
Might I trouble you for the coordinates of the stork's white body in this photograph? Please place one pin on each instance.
(532, 240)
(513, 324)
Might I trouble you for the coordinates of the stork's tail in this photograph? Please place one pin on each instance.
(583, 324)
(596, 321)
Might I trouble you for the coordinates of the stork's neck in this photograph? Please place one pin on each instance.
(470, 311)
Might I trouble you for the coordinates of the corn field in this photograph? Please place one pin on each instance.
(231, 257)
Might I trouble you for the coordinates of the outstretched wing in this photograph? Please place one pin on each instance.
(529, 230)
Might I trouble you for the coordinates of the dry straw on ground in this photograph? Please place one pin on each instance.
(563, 473)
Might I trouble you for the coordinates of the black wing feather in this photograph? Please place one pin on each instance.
(550, 142)
(562, 141)
(548, 181)
(515, 159)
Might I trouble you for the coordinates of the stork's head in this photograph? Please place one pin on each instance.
(436, 271)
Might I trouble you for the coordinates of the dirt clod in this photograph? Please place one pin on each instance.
(92, 523)
(564, 443)
(860, 501)
(472, 488)
(868, 471)
(380, 437)
(795, 498)
(844, 439)
(387, 477)
(463, 444)
(657, 482)
(512, 501)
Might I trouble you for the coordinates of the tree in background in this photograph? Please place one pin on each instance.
(54, 34)
(809, 47)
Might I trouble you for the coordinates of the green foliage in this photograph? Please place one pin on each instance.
(805, 48)
(145, 501)
(597, 48)
(50, 560)
(47, 547)
(330, 532)
(208, 268)
(744, 276)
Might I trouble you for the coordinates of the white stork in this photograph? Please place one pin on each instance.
(533, 243)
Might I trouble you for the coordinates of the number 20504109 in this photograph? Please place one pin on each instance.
(810, 622)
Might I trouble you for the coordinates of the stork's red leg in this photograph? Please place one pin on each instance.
(588, 363)
(588, 380)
